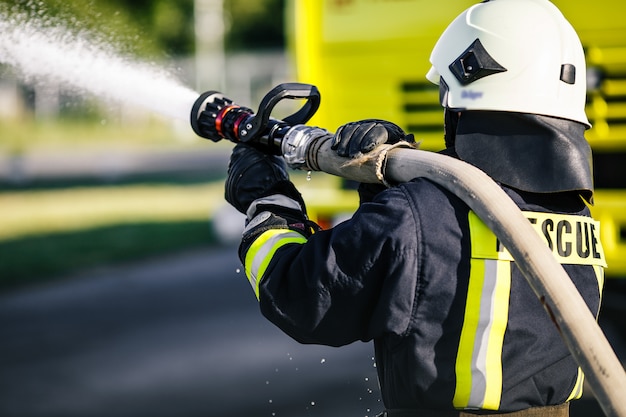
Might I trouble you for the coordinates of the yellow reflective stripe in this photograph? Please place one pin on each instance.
(262, 250)
(577, 391)
(485, 245)
(572, 239)
(479, 358)
(463, 366)
(499, 320)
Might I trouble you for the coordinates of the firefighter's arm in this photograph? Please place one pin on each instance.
(258, 185)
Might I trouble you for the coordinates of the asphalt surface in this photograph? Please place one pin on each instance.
(177, 336)
(113, 165)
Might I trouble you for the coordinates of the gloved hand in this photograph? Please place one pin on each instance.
(356, 138)
(253, 174)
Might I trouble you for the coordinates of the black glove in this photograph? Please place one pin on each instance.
(253, 174)
(356, 138)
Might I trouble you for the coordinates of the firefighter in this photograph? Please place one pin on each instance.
(456, 328)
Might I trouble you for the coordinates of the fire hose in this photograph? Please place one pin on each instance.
(216, 117)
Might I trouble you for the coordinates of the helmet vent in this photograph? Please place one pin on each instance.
(568, 73)
(474, 63)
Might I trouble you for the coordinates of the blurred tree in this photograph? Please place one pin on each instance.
(140, 27)
(254, 24)
(168, 23)
(157, 27)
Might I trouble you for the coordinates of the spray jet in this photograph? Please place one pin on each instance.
(216, 117)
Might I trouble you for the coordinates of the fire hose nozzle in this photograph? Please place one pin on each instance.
(216, 117)
(208, 116)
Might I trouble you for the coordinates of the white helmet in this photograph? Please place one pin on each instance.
(512, 55)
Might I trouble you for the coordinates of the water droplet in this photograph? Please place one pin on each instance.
(323, 360)
(367, 379)
(313, 403)
(267, 382)
(271, 401)
(238, 270)
(308, 175)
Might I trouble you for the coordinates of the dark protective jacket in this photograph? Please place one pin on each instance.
(454, 323)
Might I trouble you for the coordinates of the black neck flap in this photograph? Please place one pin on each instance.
(529, 152)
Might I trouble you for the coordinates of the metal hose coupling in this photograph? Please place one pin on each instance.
(296, 144)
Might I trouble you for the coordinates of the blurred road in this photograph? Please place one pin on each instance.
(178, 336)
(112, 165)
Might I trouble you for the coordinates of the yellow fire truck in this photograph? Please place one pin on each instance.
(369, 59)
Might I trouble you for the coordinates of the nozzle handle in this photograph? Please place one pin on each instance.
(260, 122)
(216, 117)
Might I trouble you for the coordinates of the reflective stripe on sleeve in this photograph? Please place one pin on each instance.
(262, 250)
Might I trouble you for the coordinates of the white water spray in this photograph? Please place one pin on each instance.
(42, 53)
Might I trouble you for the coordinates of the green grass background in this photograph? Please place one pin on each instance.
(48, 230)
